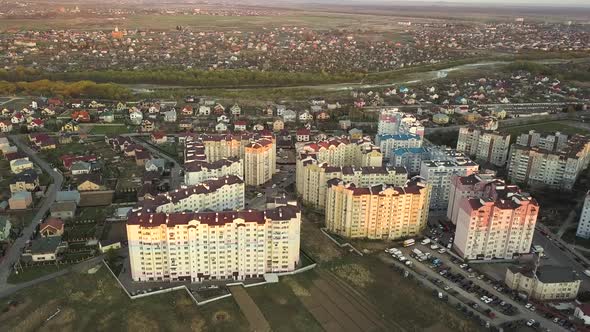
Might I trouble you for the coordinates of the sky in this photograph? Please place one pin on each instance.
(584, 3)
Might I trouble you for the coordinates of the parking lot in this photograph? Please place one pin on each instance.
(478, 293)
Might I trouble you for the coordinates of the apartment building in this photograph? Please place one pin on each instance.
(487, 146)
(410, 158)
(384, 212)
(497, 224)
(224, 193)
(389, 143)
(467, 186)
(197, 171)
(226, 245)
(555, 169)
(393, 122)
(312, 178)
(584, 223)
(259, 161)
(341, 151)
(545, 283)
(551, 142)
(438, 174)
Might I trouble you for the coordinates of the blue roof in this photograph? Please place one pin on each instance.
(401, 151)
(400, 137)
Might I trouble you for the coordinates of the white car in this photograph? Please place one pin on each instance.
(442, 250)
(434, 247)
(530, 322)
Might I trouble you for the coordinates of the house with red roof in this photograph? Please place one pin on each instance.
(36, 124)
(240, 125)
(81, 116)
(187, 110)
(5, 126)
(303, 135)
(17, 118)
(158, 137)
(55, 102)
(51, 227)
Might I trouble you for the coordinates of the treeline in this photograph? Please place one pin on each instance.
(214, 78)
(64, 89)
(565, 72)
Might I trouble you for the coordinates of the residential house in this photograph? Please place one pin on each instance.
(355, 133)
(187, 110)
(35, 124)
(17, 118)
(223, 118)
(45, 249)
(141, 157)
(345, 124)
(63, 210)
(135, 116)
(5, 227)
(258, 127)
(20, 165)
(121, 106)
(20, 200)
(27, 180)
(204, 110)
(106, 245)
(5, 126)
(155, 165)
(47, 112)
(90, 182)
(289, 116)
(80, 167)
(323, 116)
(68, 196)
(582, 312)
(170, 115)
(107, 117)
(51, 227)
(147, 126)
(281, 109)
(185, 124)
(81, 116)
(236, 110)
(70, 127)
(55, 102)
(240, 125)
(221, 127)
(158, 137)
(278, 125)
(218, 109)
(303, 135)
(305, 116)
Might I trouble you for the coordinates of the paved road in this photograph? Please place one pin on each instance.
(15, 250)
(571, 218)
(175, 178)
(80, 267)
(523, 314)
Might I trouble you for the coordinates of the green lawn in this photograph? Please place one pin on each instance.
(33, 272)
(282, 309)
(551, 127)
(96, 303)
(110, 130)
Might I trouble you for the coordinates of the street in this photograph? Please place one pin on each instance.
(15, 250)
(175, 178)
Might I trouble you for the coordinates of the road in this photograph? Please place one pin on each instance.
(15, 250)
(175, 177)
(445, 258)
(571, 218)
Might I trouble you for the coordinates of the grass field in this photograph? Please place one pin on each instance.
(110, 130)
(95, 303)
(561, 126)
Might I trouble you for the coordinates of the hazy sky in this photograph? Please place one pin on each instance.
(585, 3)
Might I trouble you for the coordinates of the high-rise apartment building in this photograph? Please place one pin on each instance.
(259, 161)
(487, 146)
(584, 224)
(389, 143)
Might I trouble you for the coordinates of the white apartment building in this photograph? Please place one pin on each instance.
(438, 174)
(551, 142)
(389, 143)
(225, 245)
(382, 212)
(224, 193)
(584, 223)
(487, 146)
(393, 122)
(499, 224)
(556, 169)
(410, 158)
(467, 186)
(259, 161)
(341, 151)
(197, 171)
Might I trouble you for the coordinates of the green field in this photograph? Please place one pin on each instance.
(561, 126)
(96, 303)
(110, 130)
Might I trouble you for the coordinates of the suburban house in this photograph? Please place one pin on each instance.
(281, 109)
(81, 116)
(45, 249)
(5, 227)
(204, 110)
(303, 135)
(20, 200)
(20, 165)
(35, 124)
(147, 126)
(106, 245)
(355, 133)
(89, 182)
(290, 116)
(158, 137)
(305, 117)
(218, 109)
(170, 115)
(187, 110)
(185, 124)
(47, 112)
(223, 118)
(63, 210)
(70, 127)
(80, 167)
(107, 117)
(220, 127)
(278, 125)
(135, 116)
(240, 125)
(323, 116)
(5, 126)
(17, 118)
(51, 227)
(27, 180)
(236, 110)
(155, 165)
(258, 127)
(582, 312)
(345, 124)
(68, 196)
(141, 157)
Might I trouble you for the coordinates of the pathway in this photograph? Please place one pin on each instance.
(249, 308)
